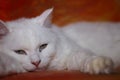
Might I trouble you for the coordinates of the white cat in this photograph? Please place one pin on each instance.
(35, 44)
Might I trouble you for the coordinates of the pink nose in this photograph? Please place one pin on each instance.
(36, 63)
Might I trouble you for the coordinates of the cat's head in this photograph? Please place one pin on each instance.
(31, 42)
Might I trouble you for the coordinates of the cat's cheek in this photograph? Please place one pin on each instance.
(44, 63)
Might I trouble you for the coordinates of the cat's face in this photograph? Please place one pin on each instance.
(30, 42)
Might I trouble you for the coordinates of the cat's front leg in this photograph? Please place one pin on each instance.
(9, 66)
(11, 70)
(97, 65)
(90, 63)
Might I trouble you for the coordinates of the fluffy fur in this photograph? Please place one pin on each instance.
(88, 47)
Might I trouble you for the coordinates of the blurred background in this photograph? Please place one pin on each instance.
(65, 11)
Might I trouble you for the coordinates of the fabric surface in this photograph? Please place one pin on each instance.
(61, 76)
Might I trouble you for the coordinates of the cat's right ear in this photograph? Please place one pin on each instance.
(45, 18)
(3, 29)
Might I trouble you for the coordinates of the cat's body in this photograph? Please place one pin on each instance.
(102, 38)
(36, 44)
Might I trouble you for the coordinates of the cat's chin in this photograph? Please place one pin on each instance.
(30, 69)
(41, 69)
(36, 69)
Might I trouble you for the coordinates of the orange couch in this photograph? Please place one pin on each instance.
(61, 75)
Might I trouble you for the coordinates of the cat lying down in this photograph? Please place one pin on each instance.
(36, 44)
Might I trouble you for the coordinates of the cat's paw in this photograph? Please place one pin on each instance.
(97, 65)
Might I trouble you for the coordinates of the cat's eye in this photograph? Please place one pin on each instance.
(43, 46)
(20, 52)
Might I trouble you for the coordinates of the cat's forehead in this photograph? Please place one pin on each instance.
(28, 35)
(28, 25)
(22, 23)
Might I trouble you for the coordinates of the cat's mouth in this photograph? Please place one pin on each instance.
(36, 69)
(31, 70)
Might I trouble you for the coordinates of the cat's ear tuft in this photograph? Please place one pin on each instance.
(3, 29)
(45, 18)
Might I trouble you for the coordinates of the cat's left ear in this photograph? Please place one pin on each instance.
(3, 29)
(45, 18)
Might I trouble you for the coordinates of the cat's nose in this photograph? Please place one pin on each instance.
(36, 63)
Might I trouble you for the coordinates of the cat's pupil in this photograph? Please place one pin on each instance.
(20, 52)
(43, 46)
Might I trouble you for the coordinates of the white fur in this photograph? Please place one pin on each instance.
(88, 47)
(102, 38)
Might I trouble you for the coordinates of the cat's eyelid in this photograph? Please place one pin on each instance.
(42, 46)
(22, 52)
